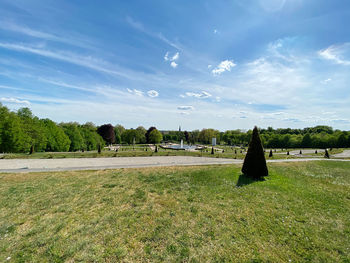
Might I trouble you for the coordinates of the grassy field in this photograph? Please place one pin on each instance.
(300, 213)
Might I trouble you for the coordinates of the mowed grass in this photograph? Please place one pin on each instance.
(300, 213)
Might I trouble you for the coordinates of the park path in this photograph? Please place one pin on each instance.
(344, 154)
(69, 164)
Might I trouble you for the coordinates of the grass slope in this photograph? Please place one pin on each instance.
(301, 213)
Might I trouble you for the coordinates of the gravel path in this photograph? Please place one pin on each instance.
(68, 164)
(344, 154)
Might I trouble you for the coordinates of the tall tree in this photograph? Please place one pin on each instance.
(254, 165)
(72, 131)
(107, 133)
(148, 133)
(155, 136)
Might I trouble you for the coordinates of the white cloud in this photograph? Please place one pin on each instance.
(225, 65)
(172, 59)
(335, 53)
(209, 66)
(175, 57)
(185, 108)
(173, 64)
(202, 95)
(184, 113)
(15, 101)
(153, 93)
(218, 99)
(166, 56)
(135, 92)
(216, 31)
(326, 81)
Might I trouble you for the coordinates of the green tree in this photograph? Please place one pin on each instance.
(13, 138)
(206, 135)
(57, 140)
(72, 131)
(35, 130)
(129, 135)
(306, 142)
(155, 136)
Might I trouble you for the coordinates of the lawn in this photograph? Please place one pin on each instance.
(300, 213)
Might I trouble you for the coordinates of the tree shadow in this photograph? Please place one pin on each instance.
(245, 180)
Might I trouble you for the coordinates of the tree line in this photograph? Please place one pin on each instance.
(21, 131)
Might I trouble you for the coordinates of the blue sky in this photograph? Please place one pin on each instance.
(199, 64)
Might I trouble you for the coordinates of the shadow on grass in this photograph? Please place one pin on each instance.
(245, 180)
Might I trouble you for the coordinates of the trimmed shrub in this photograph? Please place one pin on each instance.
(326, 154)
(254, 165)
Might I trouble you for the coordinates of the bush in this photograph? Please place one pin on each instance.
(270, 154)
(254, 165)
(326, 154)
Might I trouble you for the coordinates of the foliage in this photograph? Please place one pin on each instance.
(72, 131)
(148, 140)
(155, 136)
(206, 135)
(107, 133)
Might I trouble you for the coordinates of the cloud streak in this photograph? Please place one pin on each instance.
(83, 61)
(15, 101)
(335, 53)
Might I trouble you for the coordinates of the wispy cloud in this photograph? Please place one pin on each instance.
(135, 92)
(201, 95)
(335, 53)
(15, 101)
(185, 108)
(7, 25)
(326, 81)
(225, 65)
(84, 61)
(153, 93)
(139, 26)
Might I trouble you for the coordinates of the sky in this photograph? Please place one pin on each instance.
(224, 64)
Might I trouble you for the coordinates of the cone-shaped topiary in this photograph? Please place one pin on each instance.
(212, 150)
(254, 165)
(270, 154)
(316, 151)
(326, 154)
(300, 152)
(99, 148)
(31, 151)
(156, 149)
(287, 152)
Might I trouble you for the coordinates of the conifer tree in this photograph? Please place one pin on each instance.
(254, 165)
(270, 154)
(212, 150)
(31, 149)
(326, 154)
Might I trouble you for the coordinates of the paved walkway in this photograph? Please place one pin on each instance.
(69, 164)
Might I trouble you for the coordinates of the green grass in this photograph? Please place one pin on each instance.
(300, 213)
